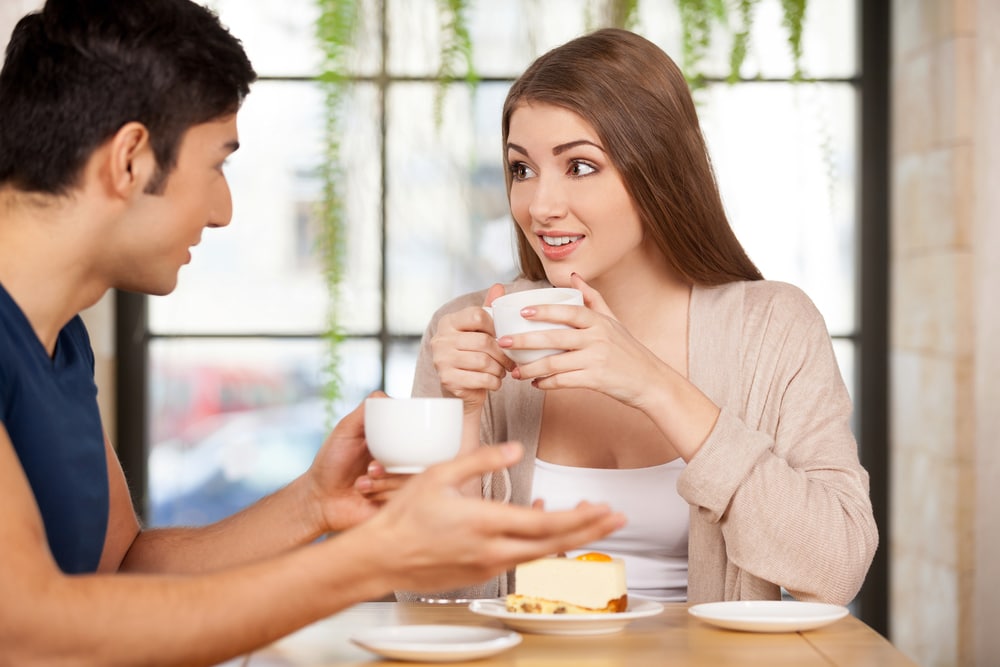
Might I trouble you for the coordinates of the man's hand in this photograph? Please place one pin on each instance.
(342, 459)
(436, 539)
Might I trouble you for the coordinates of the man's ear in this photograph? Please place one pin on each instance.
(131, 160)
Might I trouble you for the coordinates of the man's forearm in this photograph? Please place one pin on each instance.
(276, 523)
(187, 620)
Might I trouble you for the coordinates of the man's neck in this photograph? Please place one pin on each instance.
(41, 263)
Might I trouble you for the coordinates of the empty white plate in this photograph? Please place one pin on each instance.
(567, 624)
(768, 615)
(436, 643)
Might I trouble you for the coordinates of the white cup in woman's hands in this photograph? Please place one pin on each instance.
(406, 435)
(507, 320)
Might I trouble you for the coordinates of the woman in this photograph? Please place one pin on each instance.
(699, 399)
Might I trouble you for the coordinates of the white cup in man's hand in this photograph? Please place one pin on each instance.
(507, 320)
(406, 435)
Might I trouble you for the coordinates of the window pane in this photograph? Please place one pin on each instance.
(846, 351)
(785, 157)
(506, 36)
(361, 192)
(278, 35)
(828, 40)
(233, 420)
(260, 273)
(400, 365)
(447, 219)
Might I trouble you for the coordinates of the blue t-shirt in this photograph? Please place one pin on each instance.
(49, 408)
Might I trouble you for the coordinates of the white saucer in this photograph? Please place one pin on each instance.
(567, 624)
(768, 615)
(436, 643)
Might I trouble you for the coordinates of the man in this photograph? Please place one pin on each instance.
(116, 118)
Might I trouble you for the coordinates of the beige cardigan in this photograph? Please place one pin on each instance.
(778, 496)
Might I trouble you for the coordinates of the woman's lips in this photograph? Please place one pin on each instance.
(558, 246)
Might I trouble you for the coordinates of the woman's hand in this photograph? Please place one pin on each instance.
(466, 356)
(600, 353)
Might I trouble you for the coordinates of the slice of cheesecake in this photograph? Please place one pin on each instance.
(589, 584)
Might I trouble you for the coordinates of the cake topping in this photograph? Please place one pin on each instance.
(595, 556)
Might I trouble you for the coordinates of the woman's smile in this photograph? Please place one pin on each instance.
(559, 246)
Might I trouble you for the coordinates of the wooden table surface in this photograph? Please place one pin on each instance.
(673, 638)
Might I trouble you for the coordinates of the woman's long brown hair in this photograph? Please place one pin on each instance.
(636, 99)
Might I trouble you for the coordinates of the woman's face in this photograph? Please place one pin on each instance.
(568, 198)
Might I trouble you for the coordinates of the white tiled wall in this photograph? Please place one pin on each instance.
(945, 269)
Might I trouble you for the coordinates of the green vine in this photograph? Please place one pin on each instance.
(700, 17)
(623, 13)
(697, 20)
(456, 47)
(794, 14)
(741, 39)
(335, 30)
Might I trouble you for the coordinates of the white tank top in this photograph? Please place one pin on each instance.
(654, 542)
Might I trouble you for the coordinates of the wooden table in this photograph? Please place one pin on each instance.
(673, 638)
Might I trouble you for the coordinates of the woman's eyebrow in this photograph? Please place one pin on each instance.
(556, 150)
(519, 149)
(561, 148)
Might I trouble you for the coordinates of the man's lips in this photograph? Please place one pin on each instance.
(558, 246)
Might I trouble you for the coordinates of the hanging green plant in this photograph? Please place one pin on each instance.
(335, 30)
(700, 18)
(794, 16)
(456, 49)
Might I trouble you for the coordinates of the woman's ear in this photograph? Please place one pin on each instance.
(131, 159)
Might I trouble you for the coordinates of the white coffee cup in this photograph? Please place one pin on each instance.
(406, 435)
(507, 320)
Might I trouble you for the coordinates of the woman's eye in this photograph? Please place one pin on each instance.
(578, 168)
(520, 171)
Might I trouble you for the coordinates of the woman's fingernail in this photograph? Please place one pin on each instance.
(528, 311)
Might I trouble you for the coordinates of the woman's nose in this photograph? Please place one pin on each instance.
(548, 201)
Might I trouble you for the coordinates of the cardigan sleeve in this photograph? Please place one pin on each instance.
(779, 473)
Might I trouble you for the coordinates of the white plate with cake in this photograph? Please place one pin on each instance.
(586, 595)
(768, 615)
(566, 624)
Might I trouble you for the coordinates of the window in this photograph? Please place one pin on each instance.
(224, 374)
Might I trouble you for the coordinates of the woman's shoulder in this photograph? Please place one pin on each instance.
(766, 303)
(758, 294)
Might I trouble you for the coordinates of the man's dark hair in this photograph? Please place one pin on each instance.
(78, 70)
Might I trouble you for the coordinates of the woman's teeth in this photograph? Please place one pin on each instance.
(560, 240)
